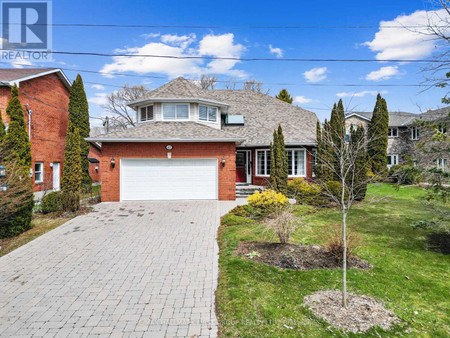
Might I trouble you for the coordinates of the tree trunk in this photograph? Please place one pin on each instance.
(344, 243)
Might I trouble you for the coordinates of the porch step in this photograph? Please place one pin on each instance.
(245, 190)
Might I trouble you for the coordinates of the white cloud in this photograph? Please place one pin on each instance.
(360, 94)
(150, 35)
(384, 73)
(210, 45)
(178, 40)
(98, 87)
(277, 51)
(21, 63)
(301, 99)
(315, 74)
(99, 98)
(407, 43)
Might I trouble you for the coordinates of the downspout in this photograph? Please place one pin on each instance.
(29, 120)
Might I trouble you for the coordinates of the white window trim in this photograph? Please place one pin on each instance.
(265, 162)
(393, 155)
(414, 132)
(443, 165)
(176, 104)
(265, 167)
(139, 113)
(207, 115)
(40, 171)
(391, 136)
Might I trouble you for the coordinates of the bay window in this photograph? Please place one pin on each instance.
(296, 162)
(206, 113)
(176, 111)
(146, 114)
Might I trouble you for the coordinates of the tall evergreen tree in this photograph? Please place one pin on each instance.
(16, 156)
(71, 180)
(378, 136)
(79, 118)
(361, 166)
(278, 162)
(284, 95)
(17, 142)
(2, 129)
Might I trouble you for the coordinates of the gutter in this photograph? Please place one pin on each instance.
(153, 140)
(286, 144)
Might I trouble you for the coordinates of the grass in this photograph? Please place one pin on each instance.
(41, 224)
(257, 300)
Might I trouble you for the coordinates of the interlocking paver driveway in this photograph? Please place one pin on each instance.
(126, 269)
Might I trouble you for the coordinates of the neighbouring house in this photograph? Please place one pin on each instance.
(95, 153)
(192, 143)
(44, 95)
(405, 134)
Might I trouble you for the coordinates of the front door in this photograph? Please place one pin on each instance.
(56, 176)
(243, 166)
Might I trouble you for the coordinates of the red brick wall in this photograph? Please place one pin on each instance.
(111, 176)
(94, 152)
(260, 180)
(48, 120)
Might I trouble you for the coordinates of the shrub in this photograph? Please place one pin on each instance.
(333, 188)
(423, 224)
(405, 174)
(243, 211)
(52, 202)
(267, 202)
(283, 225)
(19, 222)
(230, 219)
(332, 236)
(70, 201)
(304, 192)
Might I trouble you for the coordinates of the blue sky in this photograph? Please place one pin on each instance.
(300, 77)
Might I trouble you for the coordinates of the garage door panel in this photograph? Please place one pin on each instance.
(167, 179)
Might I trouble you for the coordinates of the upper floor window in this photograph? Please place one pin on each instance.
(441, 163)
(38, 172)
(206, 113)
(393, 132)
(414, 133)
(173, 111)
(146, 113)
(443, 128)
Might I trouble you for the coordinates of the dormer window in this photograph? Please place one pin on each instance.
(146, 113)
(178, 112)
(206, 113)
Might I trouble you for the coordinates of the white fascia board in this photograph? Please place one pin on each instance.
(286, 144)
(178, 99)
(61, 75)
(196, 140)
(356, 114)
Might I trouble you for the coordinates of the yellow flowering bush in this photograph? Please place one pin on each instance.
(268, 201)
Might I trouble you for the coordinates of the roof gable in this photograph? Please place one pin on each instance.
(11, 76)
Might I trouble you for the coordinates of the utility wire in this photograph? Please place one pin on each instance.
(195, 57)
(228, 27)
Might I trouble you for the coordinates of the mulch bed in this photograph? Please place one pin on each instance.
(295, 257)
(361, 314)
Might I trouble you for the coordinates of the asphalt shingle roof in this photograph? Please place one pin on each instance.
(11, 74)
(165, 131)
(396, 119)
(262, 115)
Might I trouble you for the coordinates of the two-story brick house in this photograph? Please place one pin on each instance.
(44, 95)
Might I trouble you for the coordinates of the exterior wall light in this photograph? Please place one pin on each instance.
(113, 162)
(96, 168)
(223, 161)
(2, 171)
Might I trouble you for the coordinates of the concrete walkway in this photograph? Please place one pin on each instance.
(126, 269)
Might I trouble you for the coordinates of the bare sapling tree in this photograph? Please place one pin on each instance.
(347, 161)
(208, 81)
(256, 86)
(122, 116)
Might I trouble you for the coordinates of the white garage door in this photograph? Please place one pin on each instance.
(168, 179)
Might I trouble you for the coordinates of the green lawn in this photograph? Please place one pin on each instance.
(256, 300)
